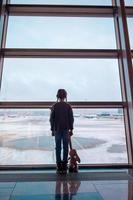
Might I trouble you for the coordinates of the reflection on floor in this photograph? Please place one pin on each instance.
(39, 185)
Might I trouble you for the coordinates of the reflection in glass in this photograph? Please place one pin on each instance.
(39, 79)
(63, 2)
(25, 137)
(66, 189)
(61, 32)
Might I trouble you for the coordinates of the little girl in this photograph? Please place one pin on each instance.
(61, 121)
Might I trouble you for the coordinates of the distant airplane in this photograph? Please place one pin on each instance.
(90, 116)
(76, 115)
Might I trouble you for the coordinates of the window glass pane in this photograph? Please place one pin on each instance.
(64, 2)
(61, 32)
(129, 2)
(130, 27)
(39, 79)
(25, 137)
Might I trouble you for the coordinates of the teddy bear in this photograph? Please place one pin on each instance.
(73, 159)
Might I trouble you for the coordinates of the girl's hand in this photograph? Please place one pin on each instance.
(52, 133)
(70, 132)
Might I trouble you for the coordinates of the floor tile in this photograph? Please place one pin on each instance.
(7, 184)
(30, 188)
(111, 182)
(5, 192)
(33, 188)
(113, 191)
(5, 198)
(82, 196)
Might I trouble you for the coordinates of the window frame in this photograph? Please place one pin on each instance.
(123, 53)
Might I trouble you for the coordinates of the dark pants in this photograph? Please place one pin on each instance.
(61, 137)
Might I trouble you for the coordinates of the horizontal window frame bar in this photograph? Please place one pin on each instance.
(53, 166)
(60, 10)
(74, 104)
(59, 53)
(65, 10)
(129, 11)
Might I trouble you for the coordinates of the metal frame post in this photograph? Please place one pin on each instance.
(3, 32)
(126, 72)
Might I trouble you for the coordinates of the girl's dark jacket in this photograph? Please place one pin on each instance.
(61, 117)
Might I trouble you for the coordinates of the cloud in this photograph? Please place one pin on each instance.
(39, 79)
(61, 32)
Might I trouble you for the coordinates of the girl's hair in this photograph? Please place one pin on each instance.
(61, 94)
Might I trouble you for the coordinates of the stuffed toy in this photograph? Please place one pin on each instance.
(73, 159)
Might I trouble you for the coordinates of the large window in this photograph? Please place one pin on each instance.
(25, 137)
(71, 44)
(61, 32)
(39, 79)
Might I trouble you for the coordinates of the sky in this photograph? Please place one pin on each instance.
(130, 28)
(80, 2)
(39, 79)
(61, 32)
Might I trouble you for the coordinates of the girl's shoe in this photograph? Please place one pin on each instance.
(64, 167)
(59, 168)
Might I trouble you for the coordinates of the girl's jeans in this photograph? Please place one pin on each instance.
(61, 137)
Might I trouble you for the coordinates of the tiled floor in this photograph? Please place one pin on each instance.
(69, 188)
